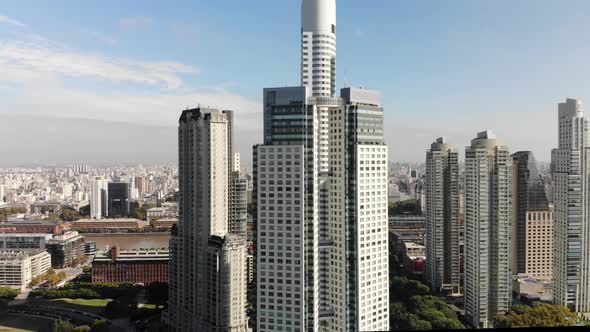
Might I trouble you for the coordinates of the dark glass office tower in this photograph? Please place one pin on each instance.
(119, 194)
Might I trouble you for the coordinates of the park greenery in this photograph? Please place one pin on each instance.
(140, 212)
(87, 290)
(540, 315)
(65, 214)
(4, 213)
(7, 293)
(408, 207)
(412, 308)
(51, 276)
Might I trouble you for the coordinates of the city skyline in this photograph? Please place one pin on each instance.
(144, 61)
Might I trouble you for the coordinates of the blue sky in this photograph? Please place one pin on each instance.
(447, 68)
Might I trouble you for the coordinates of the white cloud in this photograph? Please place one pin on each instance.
(136, 21)
(8, 20)
(24, 58)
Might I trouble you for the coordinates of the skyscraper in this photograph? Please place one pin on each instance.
(119, 195)
(572, 249)
(318, 46)
(532, 235)
(442, 217)
(287, 222)
(488, 214)
(98, 198)
(207, 270)
(320, 187)
(356, 245)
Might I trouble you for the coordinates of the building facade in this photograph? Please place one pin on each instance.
(66, 250)
(571, 199)
(488, 215)
(98, 195)
(318, 46)
(33, 226)
(205, 155)
(131, 266)
(24, 240)
(532, 236)
(19, 267)
(539, 248)
(226, 277)
(119, 195)
(357, 254)
(442, 217)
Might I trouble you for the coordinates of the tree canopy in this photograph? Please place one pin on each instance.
(541, 315)
(8, 293)
(413, 308)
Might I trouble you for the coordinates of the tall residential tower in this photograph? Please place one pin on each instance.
(442, 217)
(571, 198)
(488, 215)
(207, 266)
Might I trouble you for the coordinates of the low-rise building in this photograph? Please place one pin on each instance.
(123, 223)
(531, 289)
(160, 212)
(414, 257)
(33, 226)
(164, 222)
(134, 266)
(19, 267)
(66, 250)
(24, 240)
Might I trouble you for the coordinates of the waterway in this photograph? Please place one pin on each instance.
(129, 240)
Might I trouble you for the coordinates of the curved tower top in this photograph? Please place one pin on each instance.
(318, 15)
(318, 46)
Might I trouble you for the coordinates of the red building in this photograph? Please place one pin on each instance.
(133, 266)
(33, 226)
(165, 223)
(89, 224)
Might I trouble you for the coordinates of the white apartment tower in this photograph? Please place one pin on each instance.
(318, 46)
(572, 228)
(442, 217)
(98, 197)
(207, 292)
(357, 243)
(488, 214)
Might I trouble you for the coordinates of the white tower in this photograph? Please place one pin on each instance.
(318, 46)
(572, 252)
(488, 214)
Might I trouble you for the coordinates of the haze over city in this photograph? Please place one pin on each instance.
(443, 68)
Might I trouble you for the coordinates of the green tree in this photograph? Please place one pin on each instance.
(521, 308)
(8, 293)
(62, 326)
(69, 214)
(542, 315)
(83, 328)
(410, 321)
